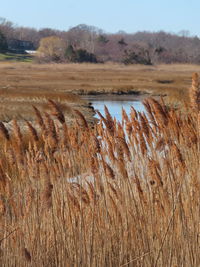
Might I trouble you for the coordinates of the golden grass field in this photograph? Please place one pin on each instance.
(117, 194)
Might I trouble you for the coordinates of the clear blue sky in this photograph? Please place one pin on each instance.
(110, 15)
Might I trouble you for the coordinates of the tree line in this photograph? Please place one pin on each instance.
(85, 43)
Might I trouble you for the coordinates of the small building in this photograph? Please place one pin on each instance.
(20, 45)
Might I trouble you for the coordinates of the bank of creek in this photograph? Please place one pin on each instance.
(87, 105)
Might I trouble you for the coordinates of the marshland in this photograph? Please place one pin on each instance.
(99, 133)
(25, 84)
(79, 192)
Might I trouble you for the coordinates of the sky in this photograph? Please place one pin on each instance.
(110, 15)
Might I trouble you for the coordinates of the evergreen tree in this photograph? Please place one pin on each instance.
(3, 43)
(70, 54)
(84, 56)
(79, 55)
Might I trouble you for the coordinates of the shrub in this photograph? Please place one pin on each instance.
(79, 55)
(139, 57)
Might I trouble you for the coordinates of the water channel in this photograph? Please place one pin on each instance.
(115, 104)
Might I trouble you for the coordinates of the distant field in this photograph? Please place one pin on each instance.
(22, 84)
(93, 78)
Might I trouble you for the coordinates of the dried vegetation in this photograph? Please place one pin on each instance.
(172, 80)
(121, 194)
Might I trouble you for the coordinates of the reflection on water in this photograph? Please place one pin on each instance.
(115, 105)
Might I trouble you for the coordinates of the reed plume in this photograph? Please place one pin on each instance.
(56, 111)
(47, 194)
(17, 132)
(109, 171)
(159, 113)
(50, 131)
(2, 206)
(32, 131)
(195, 93)
(96, 144)
(109, 123)
(95, 201)
(83, 122)
(3, 180)
(122, 142)
(40, 120)
(124, 115)
(107, 113)
(4, 131)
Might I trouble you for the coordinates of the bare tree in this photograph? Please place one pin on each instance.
(158, 47)
(7, 28)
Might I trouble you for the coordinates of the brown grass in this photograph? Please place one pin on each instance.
(22, 86)
(116, 195)
(18, 105)
(172, 80)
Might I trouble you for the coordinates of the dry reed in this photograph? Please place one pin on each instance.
(124, 194)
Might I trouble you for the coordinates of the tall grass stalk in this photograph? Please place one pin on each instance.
(121, 194)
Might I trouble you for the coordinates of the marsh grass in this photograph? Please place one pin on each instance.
(17, 104)
(121, 194)
(98, 78)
